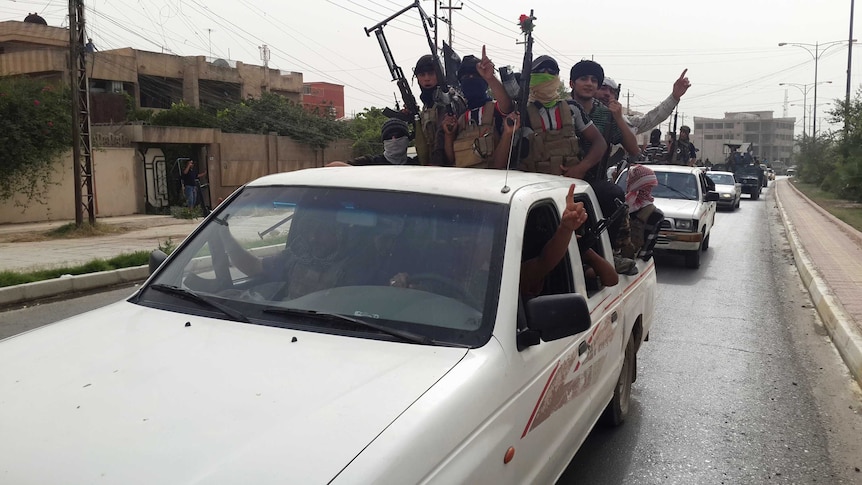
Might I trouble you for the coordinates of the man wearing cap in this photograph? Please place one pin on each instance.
(682, 150)
(472, 142)
(555, 125)
(429, 139)
(396, 137)
(585, 78)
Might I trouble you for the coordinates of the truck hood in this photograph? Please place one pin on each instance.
(130, 394)
(677, 208)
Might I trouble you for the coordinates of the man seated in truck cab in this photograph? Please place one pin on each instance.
(535, 269)
(316, 257)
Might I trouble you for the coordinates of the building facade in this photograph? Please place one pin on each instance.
(152, 80)
(770, 138)
(327, 98)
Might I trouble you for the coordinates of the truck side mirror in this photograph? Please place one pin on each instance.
(552, 317)
(711, 197)
(157, 257)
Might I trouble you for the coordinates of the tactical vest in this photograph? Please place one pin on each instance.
(426, 135)
(475, 144)
(549, 150)
(681, 154)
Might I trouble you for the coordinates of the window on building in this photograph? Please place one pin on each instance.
(708, 126)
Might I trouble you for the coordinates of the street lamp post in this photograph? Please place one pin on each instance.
(819, 50)
(804, 88)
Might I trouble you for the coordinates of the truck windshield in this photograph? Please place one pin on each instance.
(424, 264)
(722, 178)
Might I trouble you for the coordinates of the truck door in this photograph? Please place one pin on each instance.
(556, 398)
(604, 341)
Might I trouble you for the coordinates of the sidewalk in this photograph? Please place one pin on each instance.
(828, 255)
(19, 252)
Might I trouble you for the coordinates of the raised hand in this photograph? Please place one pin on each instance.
(485, 68)
(681, 85)
(574, 215)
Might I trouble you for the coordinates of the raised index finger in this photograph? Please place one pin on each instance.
(484, 56)
(683, 73)
(570, 197)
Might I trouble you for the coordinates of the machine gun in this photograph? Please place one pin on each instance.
(412, 109)
(517, 146)
(445, 96)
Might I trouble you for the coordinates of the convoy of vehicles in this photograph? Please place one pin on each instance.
(346, 325)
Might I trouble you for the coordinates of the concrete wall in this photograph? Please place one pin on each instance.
(230, 159)
(118, 185)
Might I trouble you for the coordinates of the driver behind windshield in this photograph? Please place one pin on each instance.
(315, 258)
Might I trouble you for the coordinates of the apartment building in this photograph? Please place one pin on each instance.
(770, 138)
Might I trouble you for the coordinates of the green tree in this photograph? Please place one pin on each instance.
(365, 131)
(846, 180)
(35, 129)
(182, 114)
(275, 113)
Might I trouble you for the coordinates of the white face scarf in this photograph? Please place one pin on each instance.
(395, 150)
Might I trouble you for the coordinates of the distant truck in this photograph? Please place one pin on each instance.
(746, 169)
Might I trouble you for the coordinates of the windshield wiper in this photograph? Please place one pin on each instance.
(685, 196)
(198, 298)
(402, 334)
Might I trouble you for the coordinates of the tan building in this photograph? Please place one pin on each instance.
(132, 173)
(770, 138)
(152, 79)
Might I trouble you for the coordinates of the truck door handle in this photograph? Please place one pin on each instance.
(583, 347)
(614, 317)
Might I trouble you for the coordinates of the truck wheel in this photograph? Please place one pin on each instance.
(705, 245)
(755, 195)
(692, 259)
(618, 408)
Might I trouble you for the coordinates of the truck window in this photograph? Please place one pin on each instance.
(542, 223)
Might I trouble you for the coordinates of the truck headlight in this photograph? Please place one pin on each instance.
(725, 195)
(684, 224)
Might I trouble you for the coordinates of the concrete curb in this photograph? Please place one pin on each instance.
(18, 294)
(844, 334)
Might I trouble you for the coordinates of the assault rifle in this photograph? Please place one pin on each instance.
(517, 146)
(589, 234)
(674, 144)
(445, 96)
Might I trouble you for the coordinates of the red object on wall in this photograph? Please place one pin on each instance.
(328, 98)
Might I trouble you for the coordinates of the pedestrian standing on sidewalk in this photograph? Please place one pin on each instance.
(190, 179)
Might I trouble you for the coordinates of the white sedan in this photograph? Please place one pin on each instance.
(729, 190)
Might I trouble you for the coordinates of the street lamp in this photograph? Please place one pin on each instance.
(805, 109)
(819, 49)
(805, 88)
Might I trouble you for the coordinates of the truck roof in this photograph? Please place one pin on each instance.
(478, 184)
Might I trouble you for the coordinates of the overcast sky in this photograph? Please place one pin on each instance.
(729, 47)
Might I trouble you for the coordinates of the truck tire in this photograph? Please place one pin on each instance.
(705, 245)
(618, 409)
(692, 259)
(756, 194)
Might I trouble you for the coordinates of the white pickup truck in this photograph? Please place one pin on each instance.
(688, 199)
(348, 325)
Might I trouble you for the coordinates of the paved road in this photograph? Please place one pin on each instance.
(738, 383)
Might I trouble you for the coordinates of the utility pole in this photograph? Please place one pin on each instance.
(628, 102)
(264, 56)
(450, 8)
(849, 64)
(82, 160)
(436, 23)
(210, 40)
